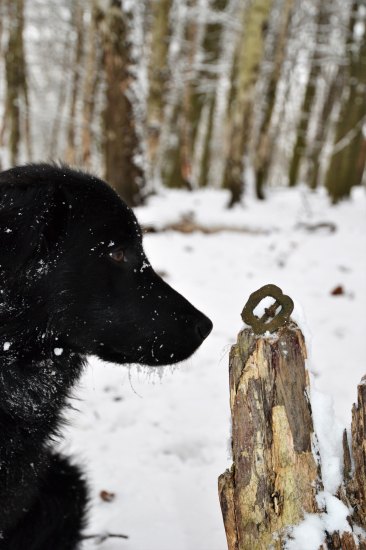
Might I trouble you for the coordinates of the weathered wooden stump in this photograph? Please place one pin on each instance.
(275, 475)
(276, 472)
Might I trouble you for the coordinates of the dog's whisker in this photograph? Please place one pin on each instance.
(131, 385)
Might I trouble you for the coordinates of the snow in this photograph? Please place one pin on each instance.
(329, 430)
(259, 310)
(310, 533)
(159, 443)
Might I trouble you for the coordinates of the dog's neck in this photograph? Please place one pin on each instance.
(35, 382)
(36, 378)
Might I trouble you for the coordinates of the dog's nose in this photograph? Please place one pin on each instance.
(204, 327)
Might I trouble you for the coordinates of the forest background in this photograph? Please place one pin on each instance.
(187, 93)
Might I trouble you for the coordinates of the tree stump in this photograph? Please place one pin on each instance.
(353, 488)
(355, 481)
(275, 475)
(276, 471)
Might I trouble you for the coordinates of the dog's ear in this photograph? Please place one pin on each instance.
(33, 219)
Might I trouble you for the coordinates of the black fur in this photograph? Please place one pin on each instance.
(63, 297)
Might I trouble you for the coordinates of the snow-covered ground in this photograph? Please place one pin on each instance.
(159, 442)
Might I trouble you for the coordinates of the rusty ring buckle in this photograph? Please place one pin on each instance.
(262, 325)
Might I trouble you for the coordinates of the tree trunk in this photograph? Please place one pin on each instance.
(55, 133)
(16, 84)
(313, 173)
(168, 163)
(348, 159)
(205, 91)
(121, 144)
(158, 74)
(90, 86)
(78, 24)
(176, 171)
(264, 147)
(355, 481)
(353, 489)
(219, 134)
(246, 70)
(315, 70)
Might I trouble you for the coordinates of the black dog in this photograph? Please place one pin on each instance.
(74, 281)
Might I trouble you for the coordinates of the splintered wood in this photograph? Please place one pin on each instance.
(353, 488)
(274, 477)
(276, 474)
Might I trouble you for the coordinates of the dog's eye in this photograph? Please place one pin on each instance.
(118, 255)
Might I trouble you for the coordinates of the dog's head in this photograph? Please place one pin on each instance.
(74, 270)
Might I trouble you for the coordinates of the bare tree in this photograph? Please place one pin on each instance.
(159, 74)
(324, 13)
(210, 68)
(16, 121)
(246, 69)
(347, 163)
(77, 18)
(92, 70)
(121, 144)
(263, 146)
(174, 160)
(210, 92)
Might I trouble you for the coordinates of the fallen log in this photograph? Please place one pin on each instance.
(187, 224)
